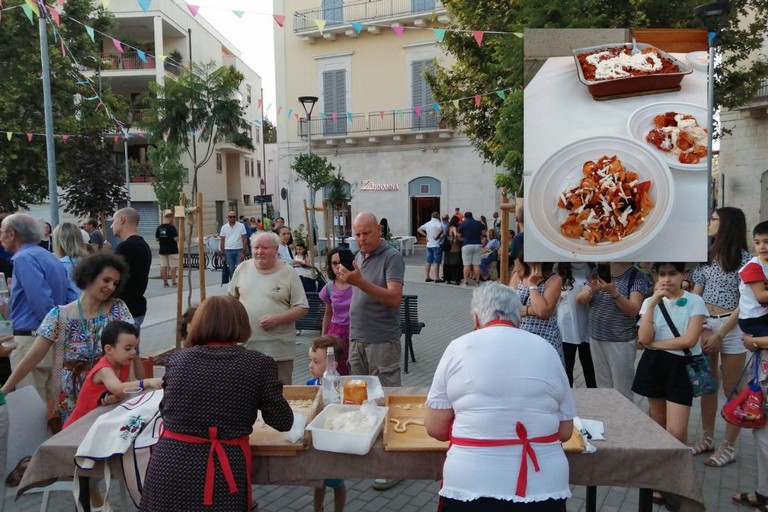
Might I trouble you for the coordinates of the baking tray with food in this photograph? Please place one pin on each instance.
(613, 71)
(404, 429)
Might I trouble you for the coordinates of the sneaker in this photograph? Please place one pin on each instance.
(429, 280)
(439, 281)
(382, 484)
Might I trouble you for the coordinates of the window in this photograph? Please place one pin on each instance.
(248, 94)
(335, 102)
(219, 164)
(255, 135)
(424, 189)
(258, 168)
(248, 166)
(246, 199)
(333, 11)
(421, 95)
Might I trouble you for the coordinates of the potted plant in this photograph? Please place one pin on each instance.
(173, 61)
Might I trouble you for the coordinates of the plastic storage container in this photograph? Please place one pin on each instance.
(373, 385)
(344, 442)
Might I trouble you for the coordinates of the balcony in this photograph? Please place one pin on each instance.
(339, 16)
(758, 107)
(395, 125)
(125, 61)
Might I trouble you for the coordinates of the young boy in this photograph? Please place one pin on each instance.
(106, 381)
(317, 363)
(753, 300)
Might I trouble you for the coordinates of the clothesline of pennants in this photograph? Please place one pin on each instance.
(31, 9)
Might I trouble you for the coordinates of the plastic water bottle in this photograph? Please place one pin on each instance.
(331, 380)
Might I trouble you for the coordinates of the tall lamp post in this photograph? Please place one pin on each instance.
(308, 102)
(713, 16)
(126, 127)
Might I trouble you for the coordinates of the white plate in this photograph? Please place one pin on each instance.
(563, 170)
(698, 60)
(640, 122)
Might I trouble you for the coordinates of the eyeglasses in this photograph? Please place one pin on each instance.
(231, 216)
(335, 263)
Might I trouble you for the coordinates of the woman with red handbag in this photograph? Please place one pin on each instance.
(758, 499)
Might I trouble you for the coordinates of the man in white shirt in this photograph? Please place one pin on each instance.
(233, 241)
(433, 231)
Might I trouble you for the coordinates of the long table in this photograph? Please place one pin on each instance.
(637, 453)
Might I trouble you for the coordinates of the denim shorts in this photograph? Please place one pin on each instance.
(434, 255)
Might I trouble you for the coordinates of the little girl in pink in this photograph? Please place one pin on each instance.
(337, 297)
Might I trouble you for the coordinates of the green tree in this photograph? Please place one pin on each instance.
(200, 104)
(316, 172)
(23, 168)
(95, 184)
(270, 132)
(495, 127)
(337, 195)
(167, 173)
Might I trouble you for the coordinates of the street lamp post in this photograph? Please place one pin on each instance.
(712, 16)
(308, 102)
(127, 127)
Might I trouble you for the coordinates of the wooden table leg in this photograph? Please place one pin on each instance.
(591, 498)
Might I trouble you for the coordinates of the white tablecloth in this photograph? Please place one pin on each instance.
(559, 110)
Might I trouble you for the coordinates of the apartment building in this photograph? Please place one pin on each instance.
(234, 175)
(375, 117)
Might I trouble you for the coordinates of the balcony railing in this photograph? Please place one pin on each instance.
(762, 93)
(334, 12)
(375, 123)
(127, 60)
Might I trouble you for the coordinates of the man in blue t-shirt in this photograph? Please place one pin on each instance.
(470, 234)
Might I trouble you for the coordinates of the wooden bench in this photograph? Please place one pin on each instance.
(409, 320)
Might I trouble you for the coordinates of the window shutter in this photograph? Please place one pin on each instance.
(335, 101)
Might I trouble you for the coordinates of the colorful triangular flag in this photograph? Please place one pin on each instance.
(28, 11)
(417, 109)
(33, 5)
(105, 3)
(436, 107)
(118, 45)
(320, 25)
(9, 135)
(239, 14)
(455, 104)
(144, 4)
(54, 15)
(398, 29)
(478, 99)
(349, 116)
(142, 56)
(501, 94)
(279, 19)
(29, 136)
(64, 138)
(478, 35)
(193, 9)
(439, 34)
(91, 34)
(357, 26)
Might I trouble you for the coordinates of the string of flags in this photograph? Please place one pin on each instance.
(31, 9)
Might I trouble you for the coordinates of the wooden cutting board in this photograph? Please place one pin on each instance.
(410, 409)
(266, 441)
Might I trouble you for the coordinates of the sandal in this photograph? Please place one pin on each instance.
(725, 454)
(750, 499)
(15, 476)
(705, 445)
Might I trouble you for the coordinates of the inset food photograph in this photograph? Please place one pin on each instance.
(617, 145)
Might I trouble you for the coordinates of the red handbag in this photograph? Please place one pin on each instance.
(745, 409)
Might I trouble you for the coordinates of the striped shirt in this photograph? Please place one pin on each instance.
(606, 321)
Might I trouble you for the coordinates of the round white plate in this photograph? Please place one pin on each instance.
(563, 170)
(698, 60)
(640, 122)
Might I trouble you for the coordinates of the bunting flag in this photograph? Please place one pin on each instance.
(259, 103)
(501, 94)
(105, 3)
(118, 45)
(398, 29)
(161, 57)
(296, 115)
(60, 2)
(436, 107)
(381, 114)
(478, 98)
(478, 35)
(89, 30)
(28, 11)
(142, 56)
(29, 136)
(399, 112)
(357, 26)
(9, 135)
(439, 34)
(333, 116)
(193, 9)
(115, 138)
(64, 138)
(257, 122)
(279, 109)
(349, 116)
(320, 25)
(417, 109)
(279, 19)
(290, 113)
(455, 104)
(54, 16)
(166, 134)
(144, 4)
(239, 14)
(367, 118)
(32, 5)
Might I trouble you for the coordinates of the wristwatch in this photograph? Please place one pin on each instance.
(533, 288)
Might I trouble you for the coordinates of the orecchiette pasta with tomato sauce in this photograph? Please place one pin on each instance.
(608, 204)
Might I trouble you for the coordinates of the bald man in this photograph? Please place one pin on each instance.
(125, 225)
(377, 281)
